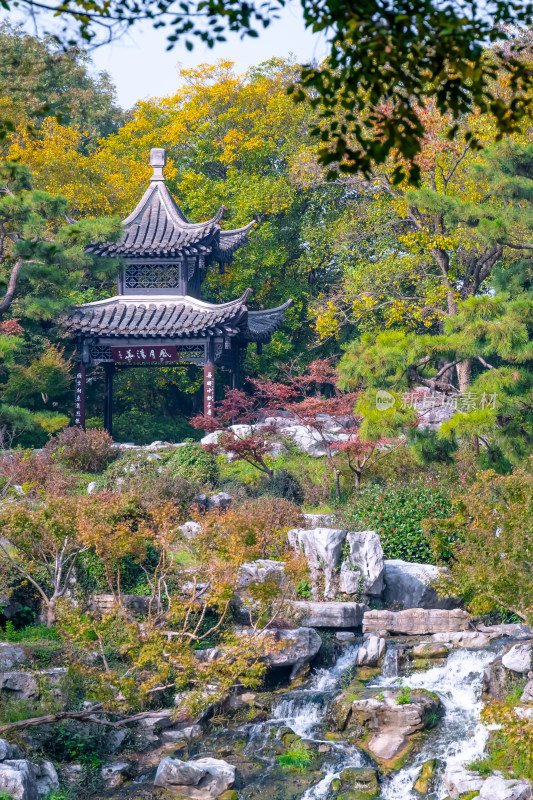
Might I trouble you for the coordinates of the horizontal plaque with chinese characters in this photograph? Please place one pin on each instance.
(155, 354)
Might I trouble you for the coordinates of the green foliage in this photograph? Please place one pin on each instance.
(489, 541)
(30, 633)
(404, 697)
(395, 512)
(195, 463)
(145, 428)
(297, 758)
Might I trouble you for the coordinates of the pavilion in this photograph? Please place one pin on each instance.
(158, 316)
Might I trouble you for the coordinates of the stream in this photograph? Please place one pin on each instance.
(457, 739)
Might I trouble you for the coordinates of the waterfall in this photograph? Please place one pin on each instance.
(459, 738)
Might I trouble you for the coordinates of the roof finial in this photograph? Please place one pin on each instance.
(158, 159)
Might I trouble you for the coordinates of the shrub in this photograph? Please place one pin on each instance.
(284, 484)
(396, 512)
(36, 473)
(261, 526)
(194, 463)
(88, 451)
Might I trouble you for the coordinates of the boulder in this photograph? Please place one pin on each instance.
(430, 650)
(416, 621)
(390, 723)
(211, 438)
(181, 735)
(8, 750)
(22, 684)
(458, 781)
(330, 614)
(497, 788)
(363, 568)
(91, 487)
(260, 571)
(409, 586)
(514, 630)
(18, 779)
(471, 639)
(219, 501)
(345, 637)
(113, 774)
(371, 652)
(11, 655)
(518, 658)
(190, 529)
(527, 694)
(361, 780)
(46, 778)
(322, 548)
(291, 648)
(320, 520)
(201, 779)
(105, 603)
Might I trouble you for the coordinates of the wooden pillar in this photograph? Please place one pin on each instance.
(109, 370)
(79, 397)
(209, 380)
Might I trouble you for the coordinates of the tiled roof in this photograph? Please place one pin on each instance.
(158, 228)
(157, 316)
(164, 316)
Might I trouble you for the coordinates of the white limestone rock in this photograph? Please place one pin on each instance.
(416, 621)
(11, 655)
(459, 780)
(518, 658)
(331, 614)
(219, 501)
(409, 586)
(362, 570)
(18, 779)
(498, 788)
(291, 647)
(471, 639)
(322, 548)
(260, 571)
(201, 779)
(371, 652)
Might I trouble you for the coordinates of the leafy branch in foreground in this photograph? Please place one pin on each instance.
(385, 59)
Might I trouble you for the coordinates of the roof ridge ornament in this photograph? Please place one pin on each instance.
(158, 160)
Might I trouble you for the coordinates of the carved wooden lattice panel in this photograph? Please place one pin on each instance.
(152, 276)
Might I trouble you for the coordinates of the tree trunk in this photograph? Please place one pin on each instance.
(51, 616)
(337, 485)
(464, 374)
(357, 481)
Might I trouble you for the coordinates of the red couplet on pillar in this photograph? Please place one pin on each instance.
(209, 390)
(79, 402)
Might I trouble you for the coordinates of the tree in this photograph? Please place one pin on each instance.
(490, 540)
(39, 79)
(41, 259)
(384, 60)
(42, 545)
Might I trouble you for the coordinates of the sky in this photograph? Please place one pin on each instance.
(140, 66)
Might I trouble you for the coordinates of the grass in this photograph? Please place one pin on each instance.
(31, 633)
(404, 697)
(297, 758)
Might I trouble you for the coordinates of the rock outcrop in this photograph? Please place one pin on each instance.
(291, 648)
(416, 621)
(322, 548)
(329, 614)
(385, 720)
(518, 658)
(371, 652)
(21, 779)
(11, 655)
(363, 568)
(410, 586)
(201, 779)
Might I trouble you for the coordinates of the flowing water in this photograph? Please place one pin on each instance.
(459, 737)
